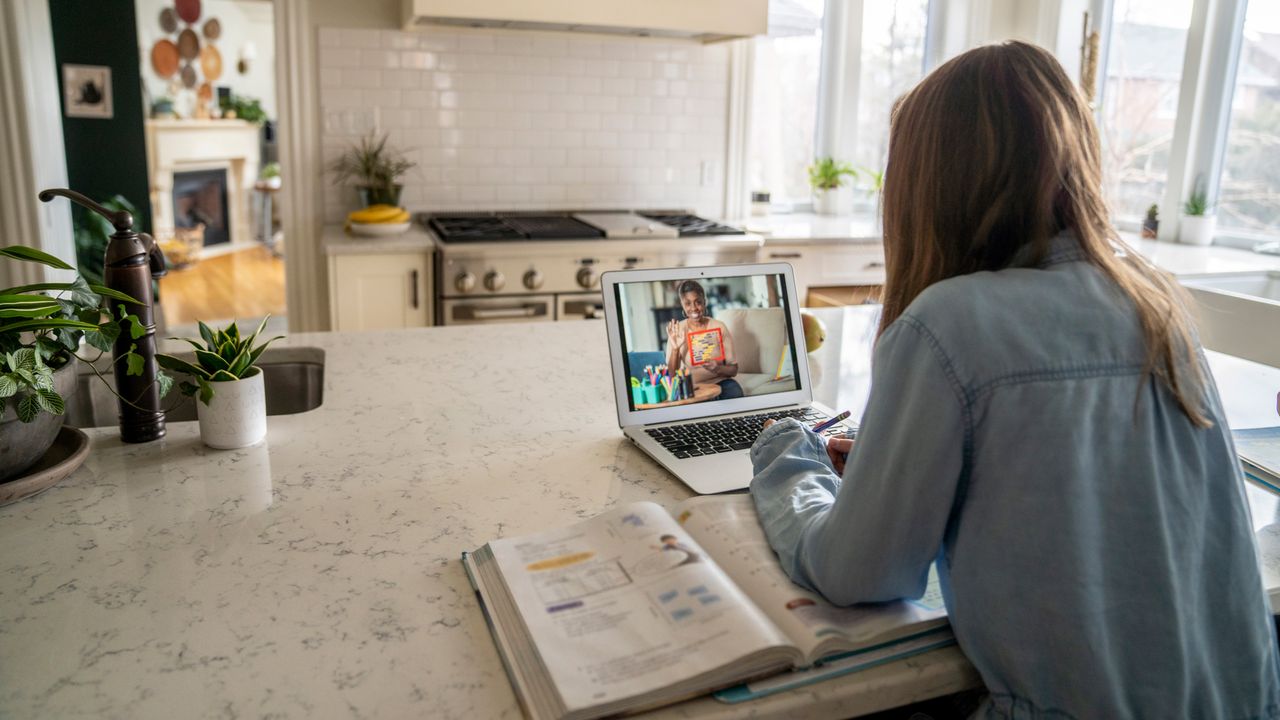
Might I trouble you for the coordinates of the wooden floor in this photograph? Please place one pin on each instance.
(243, 284)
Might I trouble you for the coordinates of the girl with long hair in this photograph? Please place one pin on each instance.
(1042, 426)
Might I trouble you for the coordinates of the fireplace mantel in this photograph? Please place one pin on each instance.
(182, 145)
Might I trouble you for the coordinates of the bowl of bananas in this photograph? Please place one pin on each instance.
(377, 220)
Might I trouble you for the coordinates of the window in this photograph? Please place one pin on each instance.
(893, 43)
(1140, 100)
(790, 99)
(1249, 187)
(784, 100)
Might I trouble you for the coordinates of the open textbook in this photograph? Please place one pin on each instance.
(637, 608)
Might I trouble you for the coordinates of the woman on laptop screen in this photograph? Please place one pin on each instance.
(701, 344)
(1042, 425)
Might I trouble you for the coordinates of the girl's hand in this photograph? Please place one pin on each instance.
(673, 332)
(710, 366)
(838, 449)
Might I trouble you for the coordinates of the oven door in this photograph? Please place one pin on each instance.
(480, 311)
(580, 306)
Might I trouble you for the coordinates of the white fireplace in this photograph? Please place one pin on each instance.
(230, 146)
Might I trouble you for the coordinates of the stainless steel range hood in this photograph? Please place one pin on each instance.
(703, 20)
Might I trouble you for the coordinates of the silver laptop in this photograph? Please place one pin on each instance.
(701, 357)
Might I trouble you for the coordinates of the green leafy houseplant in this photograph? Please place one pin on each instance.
(220, 356)
(375, 168)
(827, 173)
(40, 333)
(1197, 203)
(246, 108)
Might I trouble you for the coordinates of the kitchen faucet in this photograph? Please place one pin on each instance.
(132, 261)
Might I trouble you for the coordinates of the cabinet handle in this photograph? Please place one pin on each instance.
(873, 265)
(783, 256)
(413, 282)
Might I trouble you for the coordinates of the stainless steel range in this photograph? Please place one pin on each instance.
(544, 266)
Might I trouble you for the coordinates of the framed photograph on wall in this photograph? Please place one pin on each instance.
(86, 91)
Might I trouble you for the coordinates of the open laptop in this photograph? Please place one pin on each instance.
(697, 409)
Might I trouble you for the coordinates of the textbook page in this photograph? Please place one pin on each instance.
(627, 603)
(727, 526)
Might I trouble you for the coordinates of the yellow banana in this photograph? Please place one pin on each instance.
(376, 214)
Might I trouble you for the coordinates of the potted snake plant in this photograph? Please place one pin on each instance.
(232, 407)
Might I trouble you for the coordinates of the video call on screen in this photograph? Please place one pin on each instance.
(705, 339)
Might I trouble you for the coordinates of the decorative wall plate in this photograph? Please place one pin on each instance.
(165, 58)
(211, 63)
(188, 44)
(212, 29)
(188, 10)
(188, 76)
(168, 20)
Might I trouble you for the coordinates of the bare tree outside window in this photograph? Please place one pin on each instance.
(1140, 100)
(1249, 194)
(784, 100)
(893, 35)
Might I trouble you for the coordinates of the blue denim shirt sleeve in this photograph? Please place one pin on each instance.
(872, 537)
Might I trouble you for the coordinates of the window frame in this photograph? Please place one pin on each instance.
(1205, 94)
(839, 78)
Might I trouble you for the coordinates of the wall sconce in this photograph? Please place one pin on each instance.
(248, 53)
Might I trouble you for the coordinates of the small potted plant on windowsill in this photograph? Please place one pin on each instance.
(40, 341)
(826, 177)
(1198, 219)
(232, 406)
(376, 170)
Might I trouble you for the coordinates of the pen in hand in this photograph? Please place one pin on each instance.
(831, 421)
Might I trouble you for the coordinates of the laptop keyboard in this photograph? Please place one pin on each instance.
(710, 437)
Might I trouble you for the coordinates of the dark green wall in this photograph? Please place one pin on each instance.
(104, 157)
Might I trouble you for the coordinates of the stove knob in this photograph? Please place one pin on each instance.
(494, 280)
(465, 282)
(587, 277)
(533, 279)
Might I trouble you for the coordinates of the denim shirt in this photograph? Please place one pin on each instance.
(1093, 546)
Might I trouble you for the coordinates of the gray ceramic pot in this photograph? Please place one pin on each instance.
(22, 444)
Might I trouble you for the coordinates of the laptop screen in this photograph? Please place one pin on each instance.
(705, 339)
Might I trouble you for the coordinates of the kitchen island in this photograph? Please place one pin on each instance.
(317, 574)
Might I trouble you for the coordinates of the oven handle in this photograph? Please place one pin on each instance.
(523, 311)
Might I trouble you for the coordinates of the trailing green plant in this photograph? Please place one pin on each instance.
(826, 173)
(1197, 203)
(371, 163)
(41, 332)
(224, 356)
(270, 170)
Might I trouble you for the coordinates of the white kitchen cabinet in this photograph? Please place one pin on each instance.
(380, 291)
(829, 265)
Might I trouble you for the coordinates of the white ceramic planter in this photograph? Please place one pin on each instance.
(831, 202)
(1197, 229)
(236, 417)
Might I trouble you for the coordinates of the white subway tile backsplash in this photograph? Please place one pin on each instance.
(584, 85)
(499, 118)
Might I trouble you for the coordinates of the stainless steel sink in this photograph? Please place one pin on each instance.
(293, 378)
(1239, 313)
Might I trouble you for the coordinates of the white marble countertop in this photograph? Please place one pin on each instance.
(318, 574)
(337, 241)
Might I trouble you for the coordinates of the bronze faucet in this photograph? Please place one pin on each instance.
(133, 259)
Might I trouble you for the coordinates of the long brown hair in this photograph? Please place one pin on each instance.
(993, 152)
